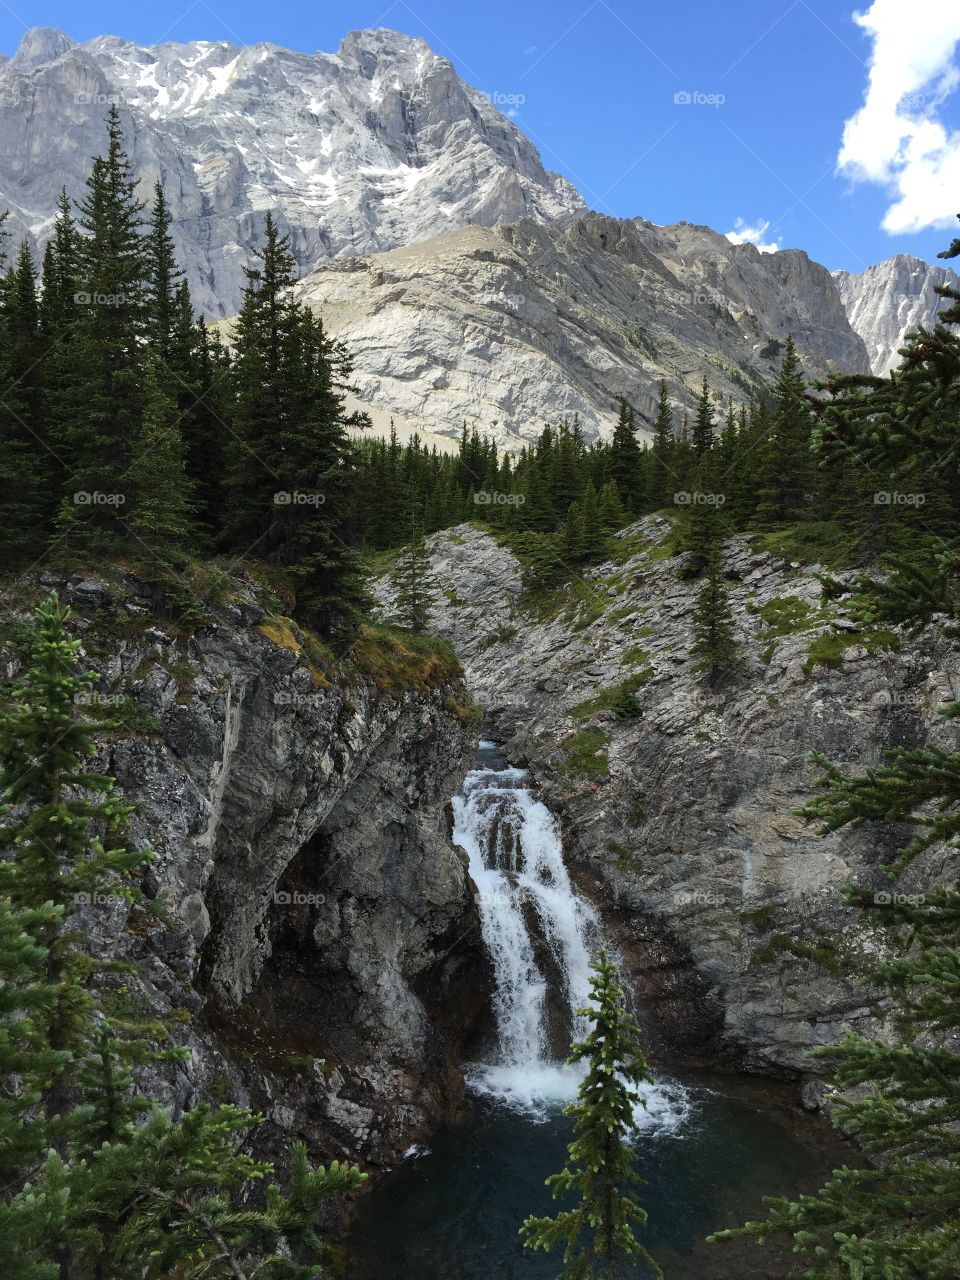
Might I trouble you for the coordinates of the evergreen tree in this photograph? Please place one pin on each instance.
(160, 513)
(701, 439)
(162, 281)
(784, 457)
(598, 1234)
(714, 643)
(662, 482)
(26, 460)
(414, 585)
(291, 474)
(624, 456)
(98, 399)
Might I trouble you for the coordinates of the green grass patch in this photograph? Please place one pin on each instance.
(821, 952)
(586, 753)
(399, 660)
(812, 542)
(619, 698)
(785, 615)
(828, 650)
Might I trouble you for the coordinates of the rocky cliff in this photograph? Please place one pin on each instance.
(678, 801)
(377, 145)
(307, 922)
(890, 300)
(508, 328)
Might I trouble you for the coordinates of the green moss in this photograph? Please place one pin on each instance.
(636, 656)
(785, 615)
(814, 541)
(828, 650)
(821, 951)
(586, 753)
(619, 698)
(501, 636)
(759, 919)
(400, 660)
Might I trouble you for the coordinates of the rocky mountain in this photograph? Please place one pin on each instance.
(889, 300)
(378, 145)
(510, 327)
(677, 801)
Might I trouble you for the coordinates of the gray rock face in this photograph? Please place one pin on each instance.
(890, 300)
(511, 327)
(313, 922)
(377, 145)
(684, 812)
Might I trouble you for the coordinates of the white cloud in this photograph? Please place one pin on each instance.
(744, 234)
(897, 138)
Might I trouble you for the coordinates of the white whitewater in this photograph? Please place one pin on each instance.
(525, 896)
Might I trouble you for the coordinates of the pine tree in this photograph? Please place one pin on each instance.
(600, 1163)
(784, 458)
(714, 643)
(292, 482)
(98, 401)
(662, 477)
(26, 460)
(159, 515)
(624, 457)
(161, 280)
(701, 438)
(414, 586)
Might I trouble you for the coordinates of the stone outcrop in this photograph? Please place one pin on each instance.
(890, 300)
(510, 327)
(680, 803)
(308, 921)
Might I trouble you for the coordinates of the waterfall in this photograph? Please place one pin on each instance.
(534, 924)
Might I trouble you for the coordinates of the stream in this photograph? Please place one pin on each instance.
(709, 1146)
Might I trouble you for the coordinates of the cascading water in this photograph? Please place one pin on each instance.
(527, 903)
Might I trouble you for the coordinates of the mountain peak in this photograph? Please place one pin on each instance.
(41, 45)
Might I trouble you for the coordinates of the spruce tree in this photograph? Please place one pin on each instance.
(701, 438)
(624, 459)
(784, 458)
(662, 477)
(27, 463)
(714, 638)
(414, 586)
(159, 513)
(98, 396)
(597, 1236)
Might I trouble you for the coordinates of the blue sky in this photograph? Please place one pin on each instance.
(594, 83)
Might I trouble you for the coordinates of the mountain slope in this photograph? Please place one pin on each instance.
(889, 300)
(512, 327)
(378, 145)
